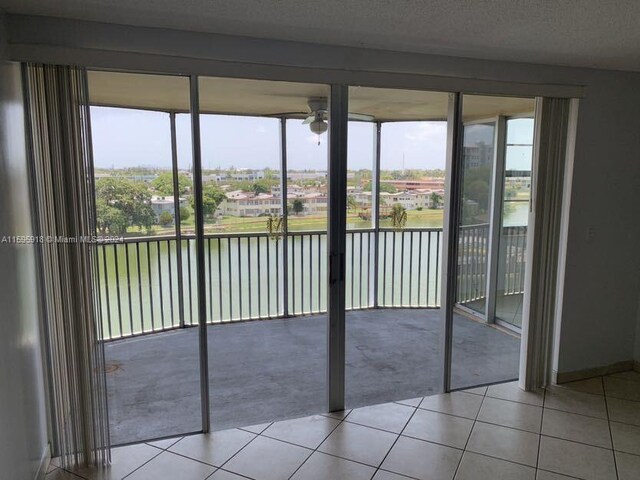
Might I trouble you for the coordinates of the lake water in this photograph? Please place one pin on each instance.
(139, 289)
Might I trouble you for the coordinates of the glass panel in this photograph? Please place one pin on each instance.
(153, 383)
(482, 353)
(262, 371)
(477, 151)
(393, 353)
(360, 164)
(306, 176)
(360, 217)
(515, 216)
(240, 172)
(412, 173)
(242, 211)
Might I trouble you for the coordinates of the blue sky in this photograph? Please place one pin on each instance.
(126, 138)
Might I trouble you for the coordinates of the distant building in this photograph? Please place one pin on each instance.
(242, 175)
(247, 204)
(314, 203)
(410, 199)
(165, 204)
(314, 175)
(424, 184)
(247, 175)
(478, 155)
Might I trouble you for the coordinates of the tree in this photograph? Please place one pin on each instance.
(163, 184)
(510, 192)
(384, 187)
(212, 196)
(131, 198)
(165, 219)
(110, 219)
(262, 186)
(297, 206)
(435, 200)
(352, 203)
(398, 216)
(275, 225)
(185, 213)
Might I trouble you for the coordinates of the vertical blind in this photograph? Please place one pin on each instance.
(539, 303)
(59, 140)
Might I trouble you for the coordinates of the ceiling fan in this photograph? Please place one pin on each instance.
(317, 119)
(317, 115)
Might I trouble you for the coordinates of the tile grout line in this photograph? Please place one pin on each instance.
(345, 419)
(160, 451)
(205, 463)
(473, 426)
(323, 440)
(245, 446)
(218, 469)
(544, 398)
(152, 458)
(606, 408)
(432, 442)
(556, 473)
(397, 438)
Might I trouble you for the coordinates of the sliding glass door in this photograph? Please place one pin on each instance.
(395, 200)
(264, 182)
(493, 203)
(514, 220)
(146, 268)
(294, 253)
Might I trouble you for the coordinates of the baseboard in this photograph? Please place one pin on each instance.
(44, 464)
(565, 377)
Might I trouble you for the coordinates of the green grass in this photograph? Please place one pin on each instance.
(415, 219)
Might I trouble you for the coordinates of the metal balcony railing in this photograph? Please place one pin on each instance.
(142, 289)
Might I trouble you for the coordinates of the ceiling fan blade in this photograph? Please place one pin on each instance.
(309, 119)
(361, 116)
(287, 114)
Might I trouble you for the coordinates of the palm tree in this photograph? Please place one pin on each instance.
(398, 216)
(275, 226)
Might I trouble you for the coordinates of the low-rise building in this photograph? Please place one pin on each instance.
(246, 204)
(160, 204)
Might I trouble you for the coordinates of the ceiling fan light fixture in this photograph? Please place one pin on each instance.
(318, 126)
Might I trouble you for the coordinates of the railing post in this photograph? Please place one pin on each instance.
(285, 219)
(176, 215)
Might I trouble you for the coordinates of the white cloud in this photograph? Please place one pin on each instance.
(426, 131)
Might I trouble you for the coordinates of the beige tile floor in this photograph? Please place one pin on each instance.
(587, 430)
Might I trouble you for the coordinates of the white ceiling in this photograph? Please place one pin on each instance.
(587, 33)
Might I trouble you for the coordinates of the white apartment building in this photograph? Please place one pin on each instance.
(245, 204)
(410, 200)
(160, 204)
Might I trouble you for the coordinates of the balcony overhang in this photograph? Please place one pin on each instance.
(233, 96)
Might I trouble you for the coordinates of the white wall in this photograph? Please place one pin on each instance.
(601, 282)
(600, 309)
(23, 432)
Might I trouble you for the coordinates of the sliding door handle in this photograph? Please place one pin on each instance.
(336, 267)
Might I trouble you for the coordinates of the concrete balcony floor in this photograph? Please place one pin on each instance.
(263, 371)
